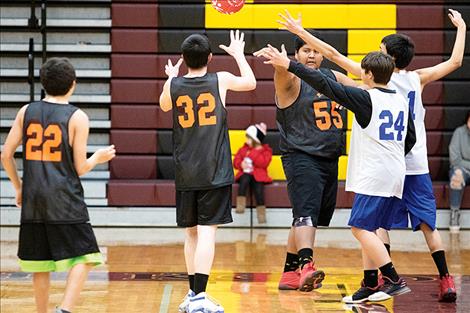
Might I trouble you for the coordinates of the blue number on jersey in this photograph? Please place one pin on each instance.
(411, 103)
(399, 127)
(385, 132)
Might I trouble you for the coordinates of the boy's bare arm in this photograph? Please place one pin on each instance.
(79, 127)
(329, 52)
(165, 97)
(13, 141)
(433, 73)
(286, 84)
(246, 81)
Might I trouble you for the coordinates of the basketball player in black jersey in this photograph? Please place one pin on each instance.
(55, 233)
(312, 139)
(203, 166)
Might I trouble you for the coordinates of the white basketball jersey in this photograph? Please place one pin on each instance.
(408, 85)
(376, 163)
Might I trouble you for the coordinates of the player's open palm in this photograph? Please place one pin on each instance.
(456, 18)
(105, 154)
(276, 57)
(291, 24)
(173, 70)
(237, 44)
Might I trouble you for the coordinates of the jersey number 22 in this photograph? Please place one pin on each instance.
(43, 144)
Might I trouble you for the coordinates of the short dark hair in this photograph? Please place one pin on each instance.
(401, 48)
(57, 76)
(299, 42)
(196, 49)
(380, 64)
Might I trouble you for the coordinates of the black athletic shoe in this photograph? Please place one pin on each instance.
(361, 295)
(390, 288)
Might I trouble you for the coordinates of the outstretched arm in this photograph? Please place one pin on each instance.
(295, 27)
(433, 73)
(286, 84)
(165, 97)
(355, 99)
(246, 81)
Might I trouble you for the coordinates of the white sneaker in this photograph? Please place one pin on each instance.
(379, 296)
(202, 303)
(183, 308)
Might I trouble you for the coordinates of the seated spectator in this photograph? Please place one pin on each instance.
(459, 153)
(252, 161)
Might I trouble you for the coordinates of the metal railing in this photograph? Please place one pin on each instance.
(31, 69)
(33, 24)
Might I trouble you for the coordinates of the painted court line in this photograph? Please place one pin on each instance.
(165, 304)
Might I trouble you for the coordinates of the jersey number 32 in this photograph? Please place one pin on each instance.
(206, 106)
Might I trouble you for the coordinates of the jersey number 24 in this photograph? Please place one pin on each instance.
(391, 126)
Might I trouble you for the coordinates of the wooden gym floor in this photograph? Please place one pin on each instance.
(145, 273)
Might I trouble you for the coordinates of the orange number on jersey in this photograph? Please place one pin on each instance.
(187, 103)
(337, 119)
(324, 118)
(53, 136)
(34, 141)
(36, 150)
(206, 105)
(205, 116)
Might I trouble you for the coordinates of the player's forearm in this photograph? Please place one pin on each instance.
(331, 53)
(325, 49)
(245, 71)
(9, 164)
(165, 97)
(87, 165)
(456, 57)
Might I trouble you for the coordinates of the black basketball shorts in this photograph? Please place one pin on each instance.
(204, 207)
(312, 184)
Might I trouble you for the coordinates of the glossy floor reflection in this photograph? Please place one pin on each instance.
(150, 278)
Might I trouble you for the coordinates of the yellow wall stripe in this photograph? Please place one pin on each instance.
(365, 41)
(253, 16)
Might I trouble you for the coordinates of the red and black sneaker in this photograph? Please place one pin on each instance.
(394, 288)
(290, 280)
(310, 277)
(447, 292)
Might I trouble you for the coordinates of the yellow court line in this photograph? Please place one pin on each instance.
(342, 16)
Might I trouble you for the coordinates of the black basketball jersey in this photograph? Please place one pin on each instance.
(52, 192)
(201, 146)
(312, 124)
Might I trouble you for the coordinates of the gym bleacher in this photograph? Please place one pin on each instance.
(120, 49)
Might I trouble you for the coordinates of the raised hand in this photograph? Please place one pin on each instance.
(173, 70)
(237, 44)
(261, 52)
(274, 56)
(291, 24)
(456, 18)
